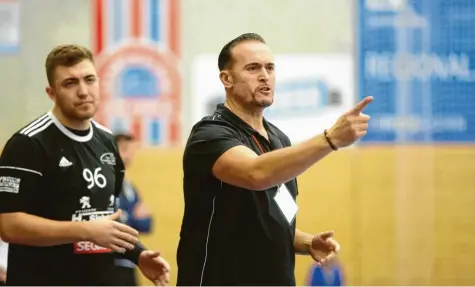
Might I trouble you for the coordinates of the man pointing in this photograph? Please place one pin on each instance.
(240, 186)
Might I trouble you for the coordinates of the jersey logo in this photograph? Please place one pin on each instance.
(9, 184)
(86, 247)
(64, 162)
(108, 158)
(88, 213)
(85, 202)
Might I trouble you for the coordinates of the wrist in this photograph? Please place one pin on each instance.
(304, 245)
(332, 143)
(83, 231)
(134, 254)
(320, 143)
(307, 244)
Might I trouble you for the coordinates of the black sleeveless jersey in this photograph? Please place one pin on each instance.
(53, 172)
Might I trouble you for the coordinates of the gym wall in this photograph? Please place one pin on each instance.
(403, 216)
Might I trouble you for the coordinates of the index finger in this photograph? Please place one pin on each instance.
(361, 105)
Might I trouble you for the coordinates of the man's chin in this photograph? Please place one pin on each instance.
(265, 103)
(85, 114)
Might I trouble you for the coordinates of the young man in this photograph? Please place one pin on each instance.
(59, 178)
(240, 184)
(134, 212)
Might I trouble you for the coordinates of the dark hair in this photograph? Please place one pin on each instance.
(123, 137)
(225, 56)
(65, 55)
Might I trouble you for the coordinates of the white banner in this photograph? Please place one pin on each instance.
(312, 91)
(9, 26)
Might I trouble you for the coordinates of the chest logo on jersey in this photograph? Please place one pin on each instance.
(108, 158)
(88, 212)
(64, 162)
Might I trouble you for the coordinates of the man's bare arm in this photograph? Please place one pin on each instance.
(302, 242)
(27, 229)
(242, 167)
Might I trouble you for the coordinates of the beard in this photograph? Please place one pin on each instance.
(78, 113)
(263, 103)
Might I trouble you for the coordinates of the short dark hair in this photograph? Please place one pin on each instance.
(65, 55)
(225, 56)
(123, 138)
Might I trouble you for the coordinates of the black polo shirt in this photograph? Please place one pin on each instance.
(230, 235)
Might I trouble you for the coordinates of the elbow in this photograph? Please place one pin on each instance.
(6, 231)
(6, 237)
(9, 227)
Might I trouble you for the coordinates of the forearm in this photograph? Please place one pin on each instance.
(279, 166)
(27, 229)
(302, 242)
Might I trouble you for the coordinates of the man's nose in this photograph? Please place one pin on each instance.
(264, 75)
(82, 91)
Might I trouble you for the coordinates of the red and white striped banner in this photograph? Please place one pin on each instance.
(137, 48)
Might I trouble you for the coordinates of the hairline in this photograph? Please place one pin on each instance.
(231, 54)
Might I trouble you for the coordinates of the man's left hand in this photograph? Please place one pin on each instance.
(323, 247)
(154, 267)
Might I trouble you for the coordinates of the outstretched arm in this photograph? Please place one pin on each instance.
(217, 147)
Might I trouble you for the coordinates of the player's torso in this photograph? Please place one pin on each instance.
(79, 181)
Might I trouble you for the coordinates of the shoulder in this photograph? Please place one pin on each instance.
(32, 134)
(19, 143)
(212, 127)
(103, 133)
(36, 128)
(23, 152)
(280, 134)
(103, 130)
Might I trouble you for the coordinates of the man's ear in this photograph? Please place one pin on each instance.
(51, 94)
(226, 78)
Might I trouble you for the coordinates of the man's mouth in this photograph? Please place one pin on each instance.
(265, 89)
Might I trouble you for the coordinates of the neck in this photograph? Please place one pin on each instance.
(252, 118)
(80, 125)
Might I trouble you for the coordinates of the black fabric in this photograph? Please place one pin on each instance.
(22, 167)
(134, 254)
(229, 235)
(65, 176)
(125, 276)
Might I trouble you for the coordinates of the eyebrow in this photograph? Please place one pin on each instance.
(75, 78)
(258, 64)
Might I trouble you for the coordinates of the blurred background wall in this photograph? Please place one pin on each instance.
(404, 215)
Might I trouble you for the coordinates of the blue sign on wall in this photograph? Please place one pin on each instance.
(417, 58)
